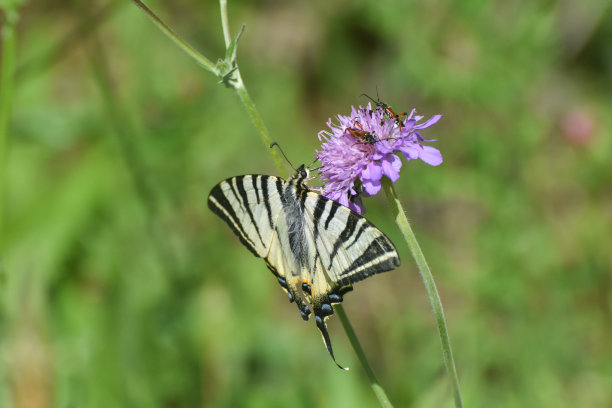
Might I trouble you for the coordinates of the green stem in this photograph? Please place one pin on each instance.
(378, 390)
(207, 64)
(7, 75)
(430, 286)
(244, 96)
(202, 60)
(225, 23)
(258, 122)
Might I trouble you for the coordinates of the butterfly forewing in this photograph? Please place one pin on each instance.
(316, 247)
(240, 202)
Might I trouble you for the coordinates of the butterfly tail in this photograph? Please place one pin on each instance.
(323, 329)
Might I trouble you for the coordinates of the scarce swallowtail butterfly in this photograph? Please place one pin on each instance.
(314, 246)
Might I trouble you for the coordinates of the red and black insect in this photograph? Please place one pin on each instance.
(386, 110)
(361, 134)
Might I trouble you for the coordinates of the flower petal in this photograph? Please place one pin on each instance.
(430, 122)
(391, 166)
(431, 156)
(372, 187)
(411, 151)
(372, 171)
(353, 169)
(356, 204)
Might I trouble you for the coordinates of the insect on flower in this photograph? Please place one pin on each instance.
(316, 248)
(386, 109)
(361, 134)
(349, 173)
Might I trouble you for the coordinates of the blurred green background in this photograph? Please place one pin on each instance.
(120, 288)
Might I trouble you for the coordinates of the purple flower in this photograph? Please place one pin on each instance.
(362, 147)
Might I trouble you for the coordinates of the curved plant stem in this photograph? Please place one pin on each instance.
(225, 23)
(7, 75)
(236, 81)
(244, 96)
(378, 390)
(430, 286)
(202, 60)
(238, 85)
(258, 122)
(248, 102)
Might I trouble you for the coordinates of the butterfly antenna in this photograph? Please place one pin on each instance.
(313, 162)
(283, 153)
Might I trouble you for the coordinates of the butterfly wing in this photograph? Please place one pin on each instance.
(261, 210)
(316, 247)
(250, 209)
(349, 246)
(348, 249)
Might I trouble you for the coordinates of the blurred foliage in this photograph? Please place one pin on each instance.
(120, 288)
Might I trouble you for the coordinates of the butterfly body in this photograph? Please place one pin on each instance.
(316, 247)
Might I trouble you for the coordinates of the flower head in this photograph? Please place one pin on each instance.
(363, 146)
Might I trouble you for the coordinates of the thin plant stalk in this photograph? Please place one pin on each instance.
(350, 333)
(238, 85)
(430, 286)
(237, 82)
(244, 96)
(225, 23)
(246, 100)
(202, 60)
(7, 76)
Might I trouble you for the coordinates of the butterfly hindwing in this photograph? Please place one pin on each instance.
(350, 247)
(315, 247)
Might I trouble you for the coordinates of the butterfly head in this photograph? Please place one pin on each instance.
(301, 175)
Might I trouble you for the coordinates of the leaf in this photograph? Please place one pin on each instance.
(230, 53)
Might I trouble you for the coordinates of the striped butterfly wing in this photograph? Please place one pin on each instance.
(316, 247)
(250, 209)
(257, 208)
(348, 249)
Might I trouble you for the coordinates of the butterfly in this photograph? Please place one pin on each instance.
(316, 247)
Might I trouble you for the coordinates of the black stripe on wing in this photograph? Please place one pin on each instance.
(318, 212)
(263, 181)
(332, 212)
(347, 232)
(220, 205)
(239, 181)
(364, 226)
(380, 256)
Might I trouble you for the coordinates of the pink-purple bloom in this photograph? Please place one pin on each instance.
(352, 167)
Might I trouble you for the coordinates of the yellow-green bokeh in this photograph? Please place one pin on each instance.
(120, 287)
